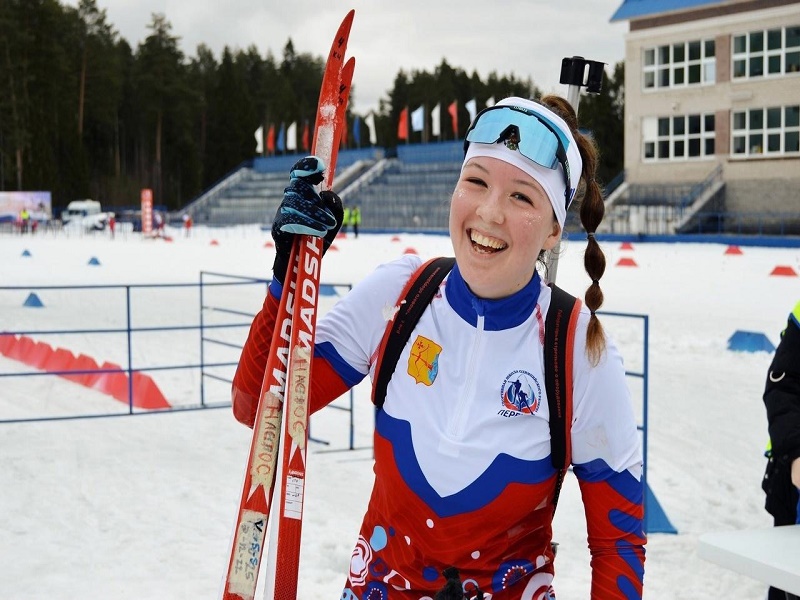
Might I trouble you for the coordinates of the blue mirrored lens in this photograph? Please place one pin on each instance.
(537, 141)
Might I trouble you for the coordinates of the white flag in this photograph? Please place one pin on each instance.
(369, 120)
(260, 140)
(418, 119)
(471, 108)
(490, 101)
(436, 120)
(291, 137)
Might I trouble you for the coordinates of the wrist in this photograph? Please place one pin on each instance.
(796, 472)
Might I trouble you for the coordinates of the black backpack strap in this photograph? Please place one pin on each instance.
(559, 341)
(412, 302)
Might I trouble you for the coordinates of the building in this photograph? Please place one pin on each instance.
(712, 117)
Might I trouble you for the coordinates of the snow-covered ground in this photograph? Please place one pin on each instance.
(143, 507)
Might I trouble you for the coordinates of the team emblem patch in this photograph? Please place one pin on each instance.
(423, 362)
(521, 393)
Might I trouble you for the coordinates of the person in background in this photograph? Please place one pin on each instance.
(355, 219)
(112, 224)
(187, 224)
(345, 218)
(464, 483)
(781, 482)
(25, 220)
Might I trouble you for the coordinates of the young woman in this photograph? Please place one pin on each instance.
(463, 479)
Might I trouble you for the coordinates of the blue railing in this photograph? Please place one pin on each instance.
(218, 314)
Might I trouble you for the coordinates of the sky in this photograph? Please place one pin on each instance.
(520, 37)
(142, 507)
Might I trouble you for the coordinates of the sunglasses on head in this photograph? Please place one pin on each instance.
(527, 132)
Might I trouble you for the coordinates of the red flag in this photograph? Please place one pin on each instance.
(271, 139)
(453, 110)
(402, 125)
(306, 136)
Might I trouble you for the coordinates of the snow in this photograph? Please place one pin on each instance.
(144, 506)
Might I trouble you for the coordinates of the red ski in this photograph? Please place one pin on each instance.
(284, 559)
(260, 476)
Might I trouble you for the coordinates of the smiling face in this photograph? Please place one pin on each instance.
(500, 220)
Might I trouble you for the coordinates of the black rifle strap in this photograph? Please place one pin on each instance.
(413, 301)
(558, 353)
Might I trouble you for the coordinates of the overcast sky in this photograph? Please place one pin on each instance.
(519, 37)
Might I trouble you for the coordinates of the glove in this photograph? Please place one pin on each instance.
(303, 211)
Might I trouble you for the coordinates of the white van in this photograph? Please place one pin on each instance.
(86, 215)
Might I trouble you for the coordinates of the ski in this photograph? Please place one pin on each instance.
(252, 519)
(284, 546)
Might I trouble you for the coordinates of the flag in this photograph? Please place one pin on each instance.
(291, 137)
(271, 138)
(306, 137)
(490, 102)
(453, 110)
(280, 144)
(471, 108)
(436, 120)
(357, 131)
(369, 121)
(260, 140)
(418, 119)
(402, 125)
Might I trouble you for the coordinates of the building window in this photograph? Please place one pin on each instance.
(772, 131)
(679, 137)
(679, 64)
(766, 53)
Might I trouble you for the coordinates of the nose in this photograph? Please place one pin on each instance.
(490, 209)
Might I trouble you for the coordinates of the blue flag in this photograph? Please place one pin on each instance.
(280, 145)
(357, 130)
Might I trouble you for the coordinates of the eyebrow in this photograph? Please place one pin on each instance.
(534, 185)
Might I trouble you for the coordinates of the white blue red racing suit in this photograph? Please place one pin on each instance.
(463, 475)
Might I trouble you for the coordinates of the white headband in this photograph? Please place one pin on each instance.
(551, 180)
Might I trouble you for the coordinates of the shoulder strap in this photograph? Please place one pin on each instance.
(559, 342)
(412, 302)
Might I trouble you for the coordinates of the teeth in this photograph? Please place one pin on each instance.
(482, 240)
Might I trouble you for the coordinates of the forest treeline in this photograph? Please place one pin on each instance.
(85, 115)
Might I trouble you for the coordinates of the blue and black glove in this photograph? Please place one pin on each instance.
(303, 211)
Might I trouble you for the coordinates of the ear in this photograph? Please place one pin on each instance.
(554, 237)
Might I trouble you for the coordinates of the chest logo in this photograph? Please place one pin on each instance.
(521, 393)
(423, 362)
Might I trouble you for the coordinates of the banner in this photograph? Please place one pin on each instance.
(369, 121)
(436, 120)
(291, 137)
(453, 110)
(147, 211)
(402, 125)
(418, 119)
(260, 140)
(38, 204)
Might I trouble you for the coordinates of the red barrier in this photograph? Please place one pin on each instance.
(784, 270)
(7, 341)
(146, 393)
(41, 355)
(626, 262)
